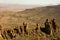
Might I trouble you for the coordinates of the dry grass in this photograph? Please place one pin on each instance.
(31, 17)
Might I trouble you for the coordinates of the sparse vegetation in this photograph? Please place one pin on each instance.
(10, 19)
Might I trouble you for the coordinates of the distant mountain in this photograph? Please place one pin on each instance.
(14, 7)
(40, 14)
(30, 15)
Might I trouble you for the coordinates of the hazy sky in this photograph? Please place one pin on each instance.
(31, 2)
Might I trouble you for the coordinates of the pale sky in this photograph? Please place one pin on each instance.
(31, 2)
